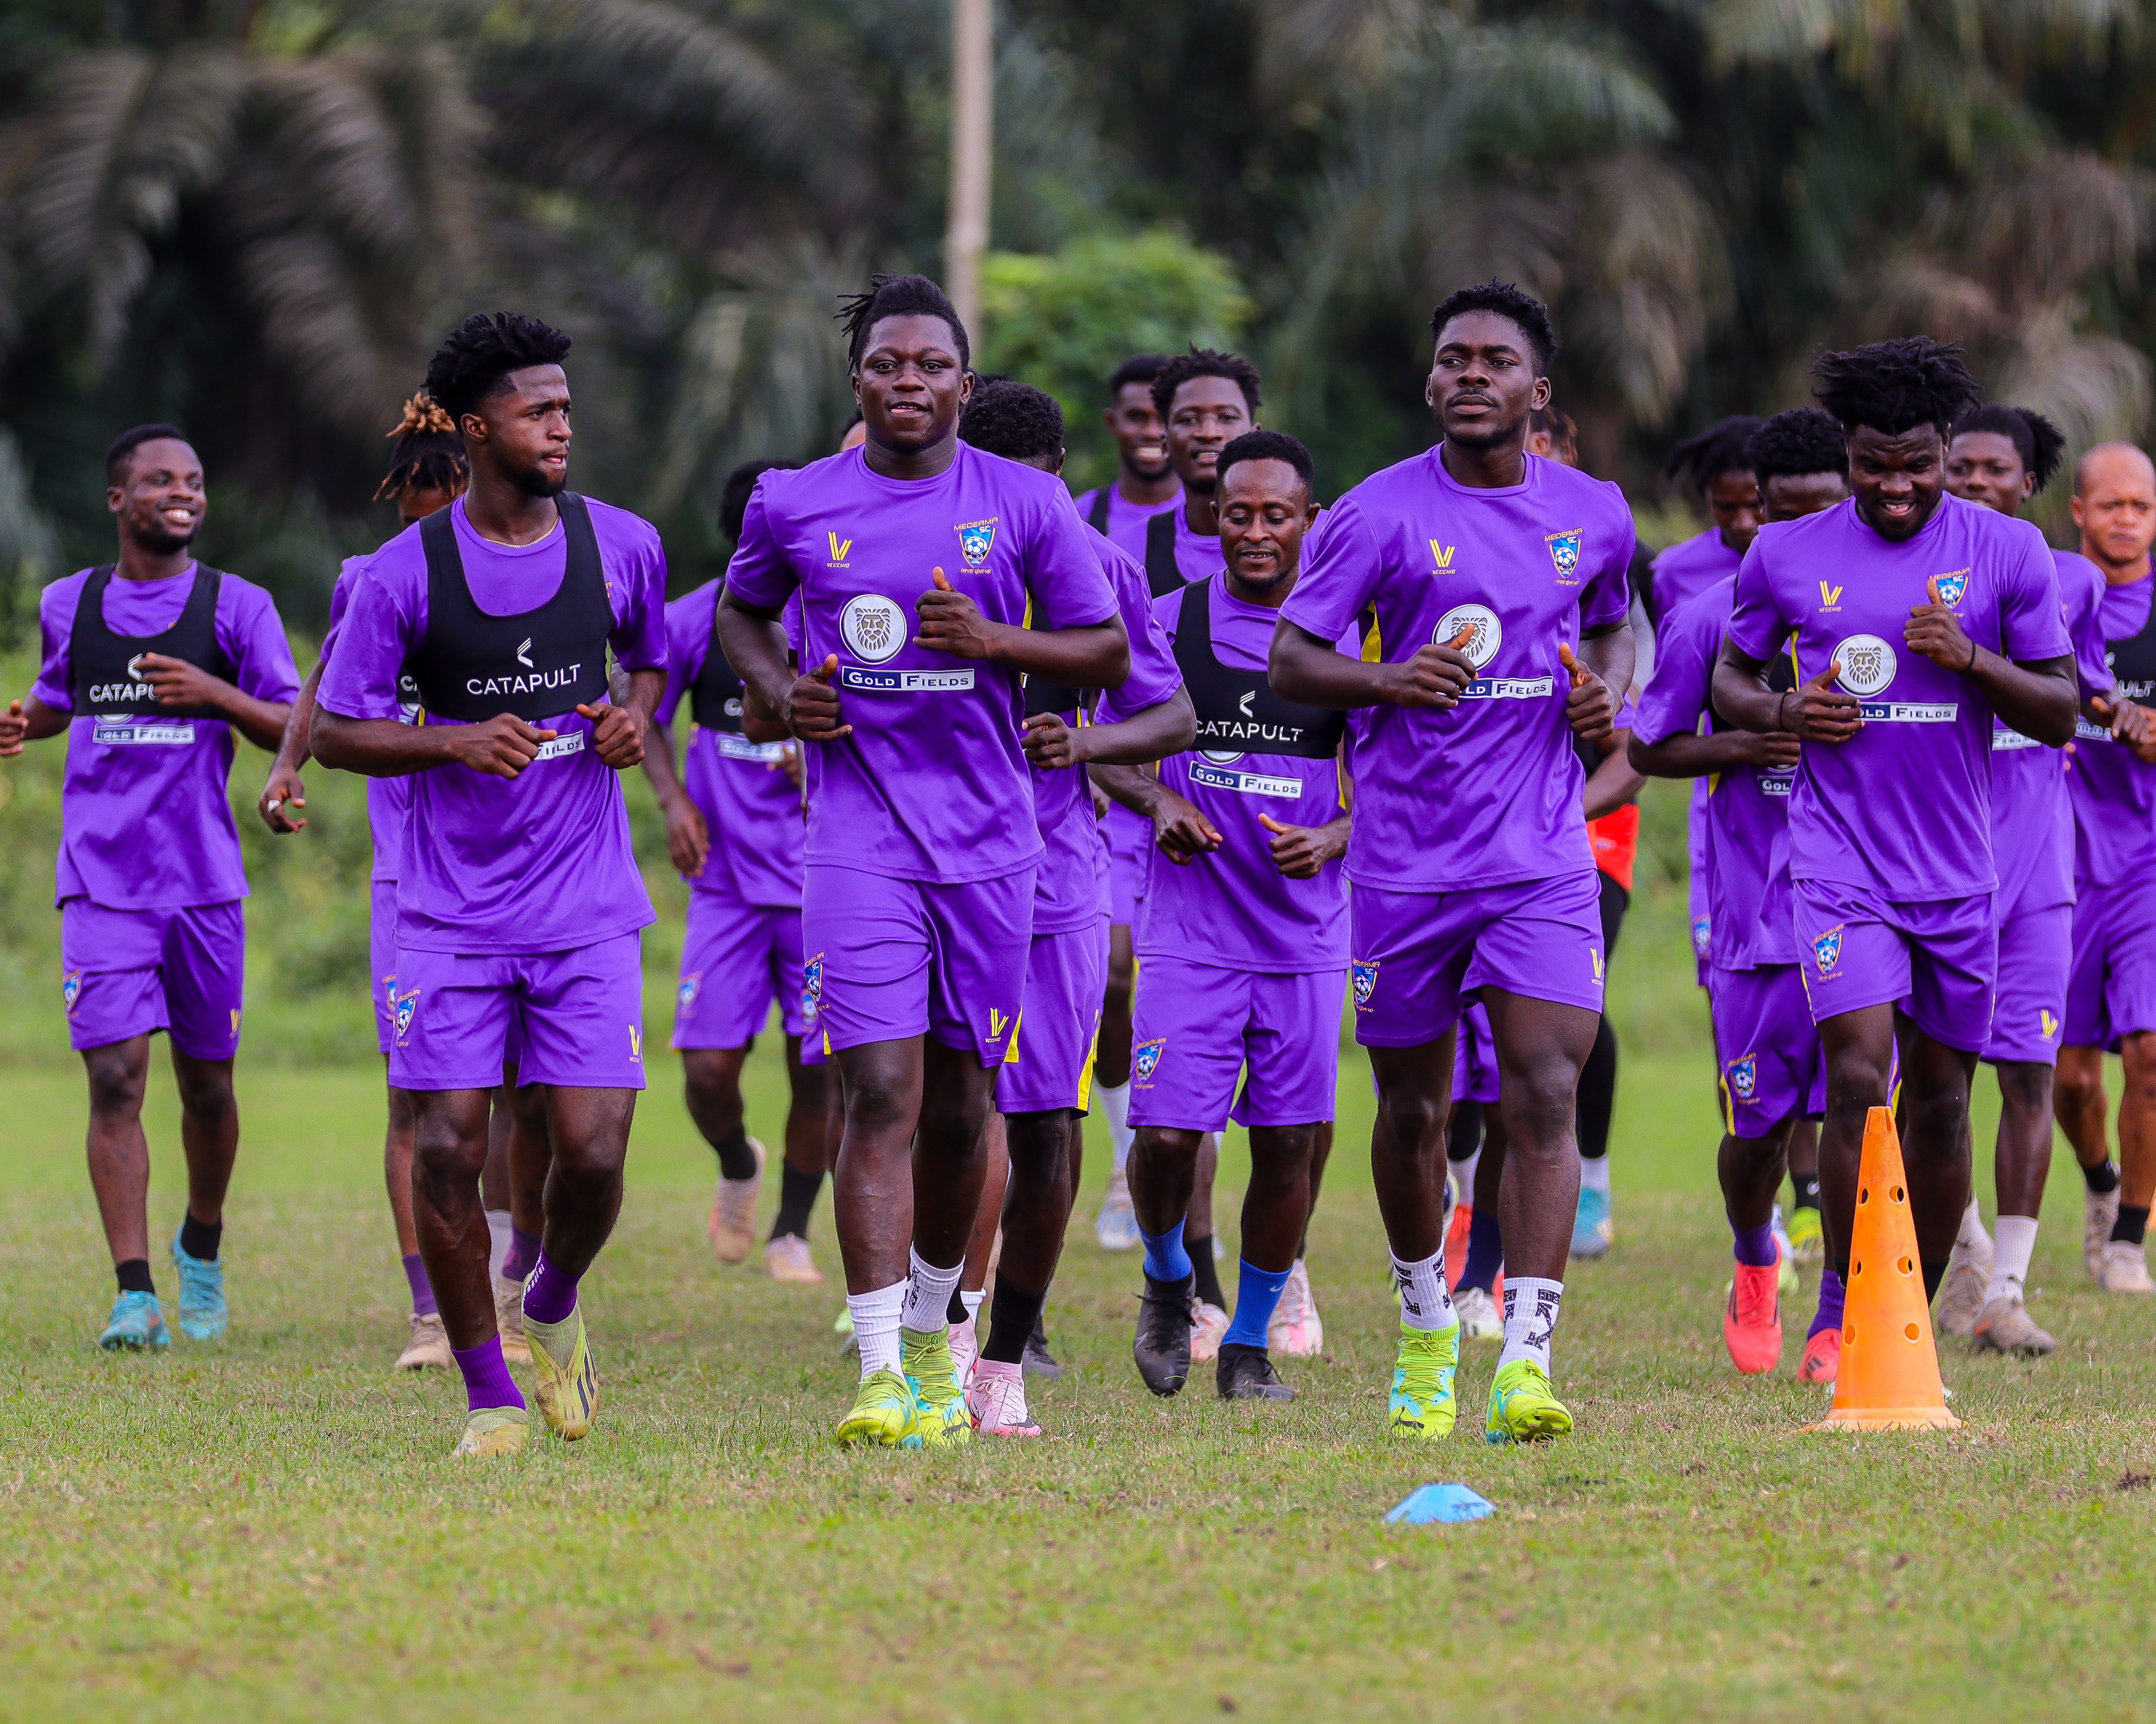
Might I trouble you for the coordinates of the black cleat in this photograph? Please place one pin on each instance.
(1245, 1373)
(1163, 1346)
(1037, 1361)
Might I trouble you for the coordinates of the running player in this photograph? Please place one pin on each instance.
(1718, 462)
(1932, 614)
(918, 884)
(1206, 400)
(1471, 865)
(1772, 1071)
(1043, 1090)
(1244, 936)
(2111, 993)
(504, 607)
(734, 830)
(1999, 458)
(427, 471)
(1145, 484)
(149, 664)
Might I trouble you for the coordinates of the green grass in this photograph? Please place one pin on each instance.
(272, 1527)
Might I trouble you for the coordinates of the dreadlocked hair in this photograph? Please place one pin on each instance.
(1724, 447)
(1203, 362)
(1894, 386)
(1802, 440)
(2040, 445)
(429, 455)
(898, 296)
(1012, 420)
(1508, 299)
(481, 350)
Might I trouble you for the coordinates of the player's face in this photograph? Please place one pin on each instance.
(524, 426)
(1482, 383)
(1264, 510)
(1141, 439)
(1897, 480)
(160, 500)
(418, 503)
(1207, 414)
(1985, 467)
(1732, 501)
(2116, 508)
(911, 384)
(1789, 496)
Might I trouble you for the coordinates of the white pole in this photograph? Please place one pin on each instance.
(973, 150)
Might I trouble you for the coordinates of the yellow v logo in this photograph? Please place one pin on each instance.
(2050, 1024)
(996, 1020)
(1443, 553)
(840, 547)
(1830, 595)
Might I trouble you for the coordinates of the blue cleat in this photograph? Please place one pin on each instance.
(138, 1321)
(1592, 1232)
(203, 1314)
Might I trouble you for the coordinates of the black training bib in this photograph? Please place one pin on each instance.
(1164, 573)
(2134, 664)
(715, 698)
(101, 674)
(1238, 712)
(472, 666)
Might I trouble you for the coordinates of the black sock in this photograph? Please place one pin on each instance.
(1014, 1314)
(199, 1238)
(1463, 1131)
(134, 1277)
(1208, 1272)
(1934, 1273)
(797, 1197)
(736, 1160)
(955, 1311)
(2102, 1177)
(1807, 1188)
(2132, 1226)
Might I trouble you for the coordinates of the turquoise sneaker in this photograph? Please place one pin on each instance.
(1423, 1409)
(1592, 1232)
(202, 1315)
(1522, 1410)
(137, 1322)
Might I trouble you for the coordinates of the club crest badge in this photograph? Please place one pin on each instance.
(1564, 552)
(686, 995)
(975, 539)
(1952, 586)
(1702, 936)
(1826, 950)
(1744, 1077)
(1365, 977)
(70, 990)
(873, 626)
(402, 1008)
(812, 988)
(1145, 1058)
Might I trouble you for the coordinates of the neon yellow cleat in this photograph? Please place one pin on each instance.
(884, 1414)
(1806, 1236)
(568, 1387)
(493, 1433)
(1522, 1407)
(932, 1375)
(1422, 1407)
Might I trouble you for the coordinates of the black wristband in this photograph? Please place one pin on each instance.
(1971, 666)
(1781, 707)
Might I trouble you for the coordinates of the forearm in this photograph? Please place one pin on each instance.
(659, 766)
(646, 689)
(1741, 694)
(1307, 671)
(262, 722)
(1095, 657)
(40, 720)
(1133, 787)
(297, 747)
(1687, 755)
(380, 747)
(1611, 654)
(755, 645)
(1333, 833)
(2036, 699)
(1152, 735)
(1611, 785)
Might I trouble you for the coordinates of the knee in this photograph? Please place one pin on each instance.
(443, 1153)
(2025, 1088)
(1539, 1102)
(116, 1083)
(2077, 1086)
(1413, 1119)
(1165, 1148)
(206, 1093)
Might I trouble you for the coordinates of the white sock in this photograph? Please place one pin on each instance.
(928, 1295)
(1116, 1103)
(875, 1325)
(2012, 1246)
(1531, 1307)
(1594, 1175)
(1463, 1176)
(1972, 1237)
(972, 1303)
(1424, 1303)
(497, 1240)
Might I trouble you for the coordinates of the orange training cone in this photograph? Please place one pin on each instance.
(1889, 1376)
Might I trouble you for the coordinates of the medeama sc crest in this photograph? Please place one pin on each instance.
(975, 540)
(1952, 586)
(1365, 977)
(1145, 1058)
(1744, 1077)
(403, 1008)
(1564, 552)
(1826, 951)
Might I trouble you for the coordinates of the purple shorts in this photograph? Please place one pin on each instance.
(1474, 1058)
(735, 957)
(1050, 1062)
(1768, 1046)
(1129, 837)
(382, 959)
(1937, 959)
(888, 959)
(130, 972)
(2036, 961)
(1195, 1027)
(572, 1017)
(1417, 953)
(2111, 992)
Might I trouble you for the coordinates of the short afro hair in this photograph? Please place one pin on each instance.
(898, 296)
(1012, 419)
(2040, 445)
(1204, 362)
(1138, 368)
(481, 350)
(1508, 299)
(739, 486)
(1724, 447)
(127, 442)
(1897, 386)
(1802, 440)
(1268, 446)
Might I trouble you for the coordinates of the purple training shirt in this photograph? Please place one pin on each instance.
(1688, 568)
(1126, 520)
(2113, 793)
(388, 800)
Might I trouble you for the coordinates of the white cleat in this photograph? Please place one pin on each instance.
(1480, 1319)
(2099, 1215)
(428, 1346)
(965, 1350)
(996, 1400)
(731, 1228)
(1208, 1324)
(787, 1258)
(1117, 1226)
(1961, 1295)
(1297, 1330)
(509, 1320)
(2124, 1268)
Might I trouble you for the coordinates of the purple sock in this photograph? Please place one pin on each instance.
(523, 1252)
(1828, 1314)
(487, 1381)
(1755, 1246)
(423, 1290)
(1485, 1248)
(552, 1295)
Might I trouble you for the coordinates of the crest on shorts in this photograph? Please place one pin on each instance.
(1145, 1058)
(1702, 936)
(1826, 950)
(1564, 552)
(1365, 977)
(1952, 586)
(686, 994)
(1744, 1077)
(70, 989)
(402, 1008)
(976, 538)
(812, 990)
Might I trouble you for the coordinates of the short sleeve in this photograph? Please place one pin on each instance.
(360, 678)
(760, 574)
(1155, 676)
(639, 635)
(55, 687)
(1757, 625)
(1063, 576)
(685, 646)
(1684, 669)
(1607, 600)
(2031, 625)
(2083, 607)
(1341, 574)
(253, 636)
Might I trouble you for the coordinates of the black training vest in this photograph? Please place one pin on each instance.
(2134, 664)
(715, 699)
(1238, 712)
(101, 665)
(1163, 574)
(537, 663)
(1096, 517)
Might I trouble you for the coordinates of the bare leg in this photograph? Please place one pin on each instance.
(209, 1132)
(981, 1246)
(2080, 1105)
(1541, 1048)
(1111, 1057)
(2023, 1157)
(1407, 1144)
(396, 1170)
(449, 1133)
(119, 1153)
(911, 1161)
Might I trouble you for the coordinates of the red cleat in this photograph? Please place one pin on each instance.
(1751, 1323)
(1456, 1243)
(1822, 1358)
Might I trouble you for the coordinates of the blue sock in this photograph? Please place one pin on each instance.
(1755, 1245)
(1485, 1248)
(1165, 1258)
(1257, 1291)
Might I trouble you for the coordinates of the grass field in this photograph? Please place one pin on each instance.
(272, 1526)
